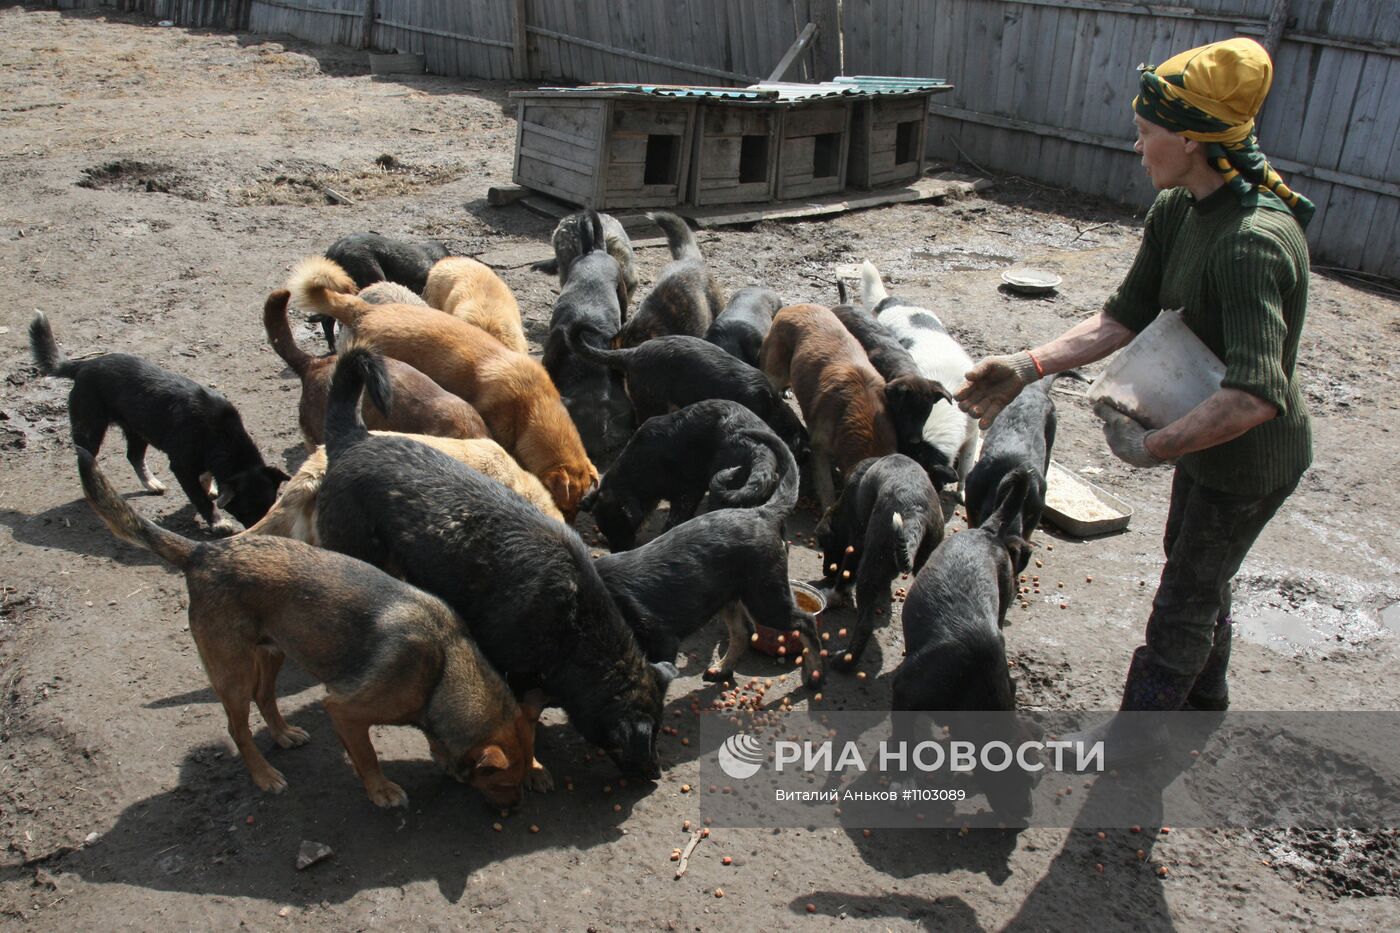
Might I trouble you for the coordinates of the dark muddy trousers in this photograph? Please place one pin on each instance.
(1188, 634)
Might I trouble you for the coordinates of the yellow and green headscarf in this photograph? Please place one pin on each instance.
(1212, 94)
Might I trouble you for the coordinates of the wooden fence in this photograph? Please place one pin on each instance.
(1043, 87)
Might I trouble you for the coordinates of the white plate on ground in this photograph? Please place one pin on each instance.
(1031, 281)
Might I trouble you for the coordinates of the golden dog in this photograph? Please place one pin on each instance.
(512, 391)
(469, 290)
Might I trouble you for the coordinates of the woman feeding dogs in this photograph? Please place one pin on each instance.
(1223, 241)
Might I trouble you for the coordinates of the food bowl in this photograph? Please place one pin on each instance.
(1031, 281)
(770, 640)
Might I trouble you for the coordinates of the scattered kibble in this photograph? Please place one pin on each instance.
(1098, 867)
(726, 861)
(497, 827)
(719, 892)
(1161, 871)
(811, 908)
(1142, 855)
(685, 788)
(1135, 828)
(534, 828)
(685, 826)
(249, 820)
(617, 808)
(867, 833)
(860, 675)
(705, 833)
(1102, 835)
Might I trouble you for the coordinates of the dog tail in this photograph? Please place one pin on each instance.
(841, 291)
(1049, 382)
(784, 498)
(907, 539)
(590, 233)
(678, 235)
(872, 290)
(47, 356)
(125, 523)
(1005, 521)
(550, 265)
(356, 370)
(321, 283)
(614, 359)
(279, 332)
(759, 481)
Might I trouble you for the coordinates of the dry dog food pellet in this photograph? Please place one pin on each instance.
(1142, 855)
(675, 855)
(1161, 871)
(534, 828)
(617, 808)
(719, 892)
(705, 833)
(497, 827)
(860, 675)
(726, 861)
(685, 788)
(811, 908)
(685, 826)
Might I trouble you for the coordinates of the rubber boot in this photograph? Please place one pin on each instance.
(1212, 690)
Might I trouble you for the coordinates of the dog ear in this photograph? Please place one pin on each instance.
(492, 757)
(943, 475)
(665, 672)
(557, 482)
(589, 500)
(276, 475)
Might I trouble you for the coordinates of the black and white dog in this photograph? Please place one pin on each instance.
(197, 428)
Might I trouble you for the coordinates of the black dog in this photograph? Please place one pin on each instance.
(369, 257)
(197, 428)
(685, 298)
(590, 301)
(955, 655)
(909, 396)
(716, 446)
(666, 373)
(740, 328)
(887, 522)
(733, 560)
(524, 584)
(568, 246)
(1021, 438)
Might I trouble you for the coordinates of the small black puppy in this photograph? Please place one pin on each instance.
(1021, 438)
(524, 583)
(371, 257)
(685, 298)
(909, 396)
(740, 328)
(666, 373)
(955, 654)
(887, 522)
(733, 560)
(716, 446)
(197, 428)
(592, 393)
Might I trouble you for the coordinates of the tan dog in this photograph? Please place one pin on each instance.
(294, 514)
(512, 392)
(388, 653)
(421, 406)
(469, 290)
(841, 395)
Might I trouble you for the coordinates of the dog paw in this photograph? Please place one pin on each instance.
(292, 737)
(224, 527)
(387, 794)
(155, 487)
(539, 779)
(714, 675)
(270, 780)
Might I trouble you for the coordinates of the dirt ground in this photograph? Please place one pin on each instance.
(156, 183)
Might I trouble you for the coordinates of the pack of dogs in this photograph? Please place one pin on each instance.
(431, 523)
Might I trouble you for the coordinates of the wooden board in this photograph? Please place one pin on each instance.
(943, 186)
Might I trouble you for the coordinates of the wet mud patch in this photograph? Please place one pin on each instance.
(135, 175)
(1336, 863)
(299, 182)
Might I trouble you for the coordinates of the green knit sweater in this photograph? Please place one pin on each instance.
(1241, 274)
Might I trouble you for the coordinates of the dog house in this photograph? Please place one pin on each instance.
(814, 138)
(604, 148)
(889, 127)
(736, 152)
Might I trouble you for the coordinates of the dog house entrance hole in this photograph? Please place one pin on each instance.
(753, 159)
(663, 160)
(826, 155)
(906, 142)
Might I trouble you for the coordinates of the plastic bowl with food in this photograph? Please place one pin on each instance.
(769, 640)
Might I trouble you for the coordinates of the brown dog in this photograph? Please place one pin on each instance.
(511, 390)
(389, 654)
(469, 290)
(421, 406)
(841, 395)
(294, 514)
